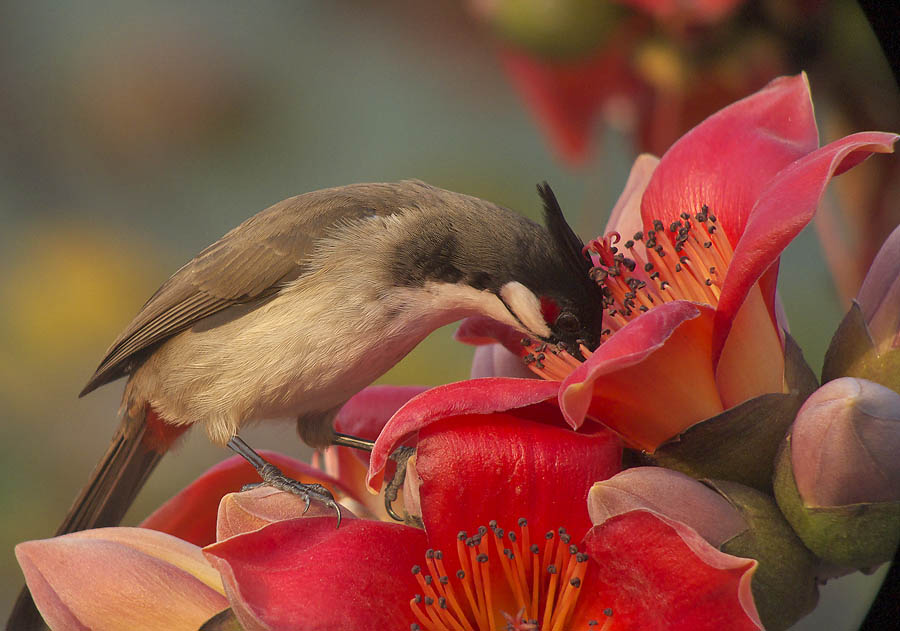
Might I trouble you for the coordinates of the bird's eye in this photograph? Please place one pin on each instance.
(568, 323)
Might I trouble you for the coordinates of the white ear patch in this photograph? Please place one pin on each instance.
(526, 306)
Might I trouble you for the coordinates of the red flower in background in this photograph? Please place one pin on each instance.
(652, 68)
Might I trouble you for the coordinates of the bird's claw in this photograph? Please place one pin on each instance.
(272, 476)
(401, 456)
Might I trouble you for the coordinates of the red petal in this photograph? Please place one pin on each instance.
(783, 209)
(566, 97)
(191, 514)
(650, 380)
(478, 468)
(475, 396)
(305, 573)
(659, 575)
(730, 158)
(366, 413)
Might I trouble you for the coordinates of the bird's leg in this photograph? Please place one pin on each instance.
(400, 456)
(272, 476)
(346, 440)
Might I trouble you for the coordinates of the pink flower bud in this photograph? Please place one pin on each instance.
(844, 444)
(879, 296)
(837, 475)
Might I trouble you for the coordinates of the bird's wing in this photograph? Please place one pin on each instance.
(251, 263)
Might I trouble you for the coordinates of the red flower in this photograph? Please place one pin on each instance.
(518, 489)
(689, 268)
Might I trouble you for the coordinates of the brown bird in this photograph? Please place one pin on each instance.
(309, 301)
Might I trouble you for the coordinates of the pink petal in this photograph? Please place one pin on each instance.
(730, 158)
(651, 380)
(481, 330)
(475, 396)
(259, 507)
(783, 209)
(670, 494)
(493, 360)
(657, 574)
(121, 578)
(476, 469)
(305, 573)
(626, 214)
(191, 514)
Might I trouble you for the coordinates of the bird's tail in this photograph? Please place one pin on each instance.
(139, 443)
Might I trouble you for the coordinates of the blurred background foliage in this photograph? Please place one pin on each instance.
(135, 133)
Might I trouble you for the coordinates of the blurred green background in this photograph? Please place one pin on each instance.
(134, 134)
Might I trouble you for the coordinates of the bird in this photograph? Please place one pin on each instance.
(309, 301)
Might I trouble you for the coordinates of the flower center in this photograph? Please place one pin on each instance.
(685, 261)
(542, 579)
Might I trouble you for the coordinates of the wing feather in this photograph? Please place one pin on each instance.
(250, 264)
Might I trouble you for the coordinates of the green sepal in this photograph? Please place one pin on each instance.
(852, 353)
(859, 536)
(740, 443)
(225, 620)
(784, 584)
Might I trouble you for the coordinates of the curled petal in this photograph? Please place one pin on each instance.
(475, 469)
(649, 381)
(121, 578)
(694, 587)
(475, 396)
(670, 494)
(191, 514)
(782, 210)
(253, 509)
(306, 572)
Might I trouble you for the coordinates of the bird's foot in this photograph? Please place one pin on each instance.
(401, 456)
(272, 476)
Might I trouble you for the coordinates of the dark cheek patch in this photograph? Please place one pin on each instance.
(549, 309)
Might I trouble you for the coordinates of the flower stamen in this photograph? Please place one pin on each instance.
(544, 582)
(685, 260)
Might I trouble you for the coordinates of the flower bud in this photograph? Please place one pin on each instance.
(879, 296)
(867, 342)
(838, 476)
